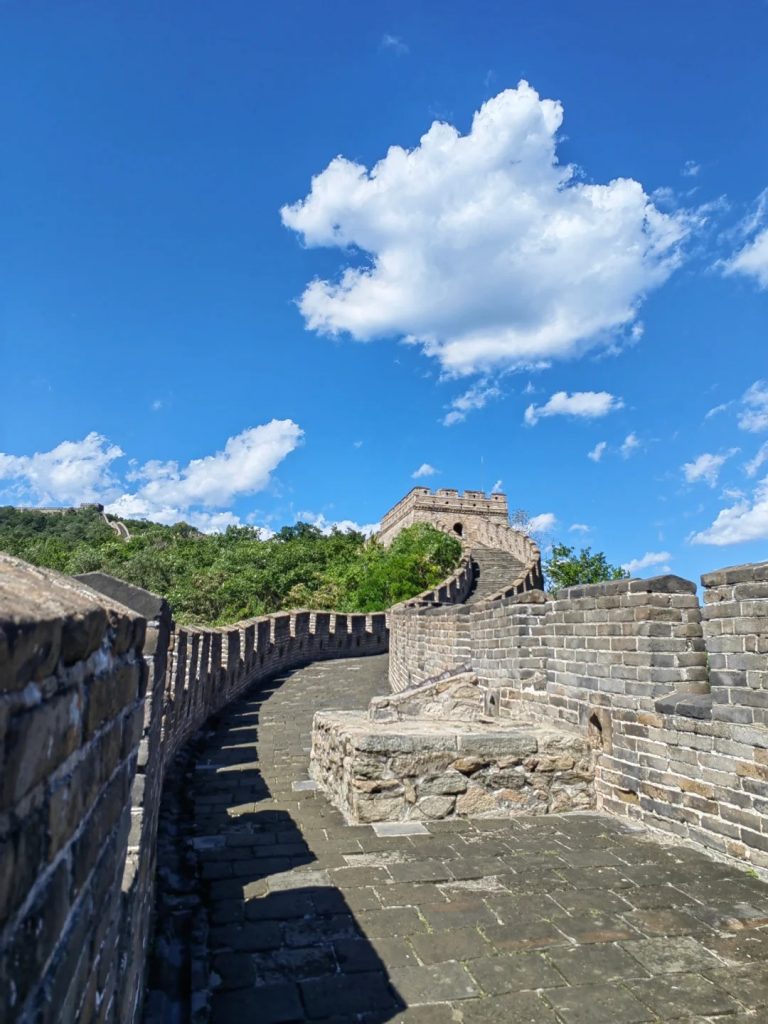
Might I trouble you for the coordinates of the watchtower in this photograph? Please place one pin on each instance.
(447, 509)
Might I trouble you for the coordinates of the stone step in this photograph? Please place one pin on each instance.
(494, 571)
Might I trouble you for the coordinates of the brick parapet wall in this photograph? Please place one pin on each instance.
(72, 688)
(625, 663)
(98, 693)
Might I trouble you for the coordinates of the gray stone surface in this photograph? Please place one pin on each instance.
(569, 919)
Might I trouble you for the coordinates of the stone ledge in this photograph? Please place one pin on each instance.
(689, 705)
(422, 769)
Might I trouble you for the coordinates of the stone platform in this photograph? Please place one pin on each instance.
(407, 770)
(557, 919)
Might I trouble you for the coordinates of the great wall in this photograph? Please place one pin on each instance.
(626, 704)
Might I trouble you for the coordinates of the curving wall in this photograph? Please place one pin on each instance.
(98, 692)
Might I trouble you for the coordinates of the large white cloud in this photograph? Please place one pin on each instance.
(243, 467)
(198, 493)
(72, 472)
(581, 404)
(482, 247)
(746, 520)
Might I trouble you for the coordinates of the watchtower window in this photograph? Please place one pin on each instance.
(458, 529)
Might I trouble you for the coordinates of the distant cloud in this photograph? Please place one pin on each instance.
(545, 522)
(498, 487)
(754, 414)
(424, 470)
(746, 520)
(157, 405)
(82, 471)
(650, 558)
(717, 409)
(394, 44)
(581, 404)
(598, 451)
(70, 473)
(327, 526)
(578, 528)
(357, 444)
(691, 169)
(753, 465)
(629, 445)
(483, 248)
(706, 467)
(751, 260)
(473, 398)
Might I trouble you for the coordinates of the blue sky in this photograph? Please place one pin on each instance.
(205, 315)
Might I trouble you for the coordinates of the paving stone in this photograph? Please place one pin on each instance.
(595, 964)
(461, 944)
(278, 1004)
(517, 1008)
(514, 973)
(598, 1004)
(390, 921)
(681, 994)
(525, 935)
(340, 994)
(748, 984)
(671, 956)
(433, 984)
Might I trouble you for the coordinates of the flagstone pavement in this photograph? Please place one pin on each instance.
(566, 919)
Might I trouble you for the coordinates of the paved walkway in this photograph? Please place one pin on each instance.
(570, 919)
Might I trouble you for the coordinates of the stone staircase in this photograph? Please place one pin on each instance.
(495, 570)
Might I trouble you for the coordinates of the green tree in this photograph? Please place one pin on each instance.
(565, 568)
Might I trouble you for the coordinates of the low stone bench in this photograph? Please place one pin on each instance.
(410, 770)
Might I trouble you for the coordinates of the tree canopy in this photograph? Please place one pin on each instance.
(566, 568)
(219, 578)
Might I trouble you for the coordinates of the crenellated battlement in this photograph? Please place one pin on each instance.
(448, 509)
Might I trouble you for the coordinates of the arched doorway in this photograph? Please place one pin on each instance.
(458, 529)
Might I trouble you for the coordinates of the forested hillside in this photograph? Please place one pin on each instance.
(220, 578)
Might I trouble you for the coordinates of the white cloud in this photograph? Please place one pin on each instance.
(754, 415)
(706, 467)
(482, 248)
(582, 404)
(598, 451)
(78, 471)
(751, 260)
(746, 520)
(394, 43)
(578, 528)
(751, 468)
(424, 470)
(650, 558)
(545, 522)
(498, 487)
(629, 445)
(157, 405)
(717, 409)
(243, 467)
(357, 444)
(70, 473)
(327, 526)
(473, 398)
(691, 169)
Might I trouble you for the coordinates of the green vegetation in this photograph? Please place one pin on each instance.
(220, 578)
(565, 568)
